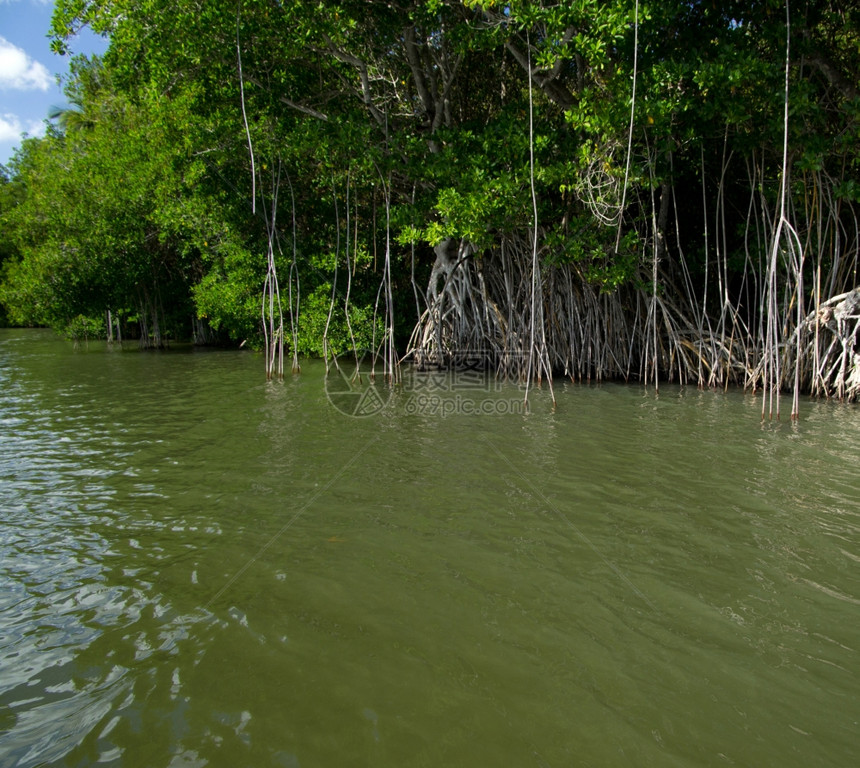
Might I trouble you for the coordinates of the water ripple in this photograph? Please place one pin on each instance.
(434, 605)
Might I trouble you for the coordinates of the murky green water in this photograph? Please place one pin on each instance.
(202, 569)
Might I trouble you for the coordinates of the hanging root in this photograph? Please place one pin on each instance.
(480, 307)
(479, 310)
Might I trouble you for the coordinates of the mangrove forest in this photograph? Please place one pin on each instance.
(597, 189)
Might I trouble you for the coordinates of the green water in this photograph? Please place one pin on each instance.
(199, 568)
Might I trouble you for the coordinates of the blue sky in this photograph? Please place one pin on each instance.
(28, 69)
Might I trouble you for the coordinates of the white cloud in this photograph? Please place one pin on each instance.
(11, 128)
(19, 71)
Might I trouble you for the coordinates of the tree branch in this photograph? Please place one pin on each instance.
(414, 59)
(361, 66)
(833, 76)
(300, 107)
(557, 92)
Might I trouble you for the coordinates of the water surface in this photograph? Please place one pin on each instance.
(199, 568)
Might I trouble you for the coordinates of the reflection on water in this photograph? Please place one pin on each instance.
(198, 568)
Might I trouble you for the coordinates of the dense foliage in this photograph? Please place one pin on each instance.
(640, 151)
